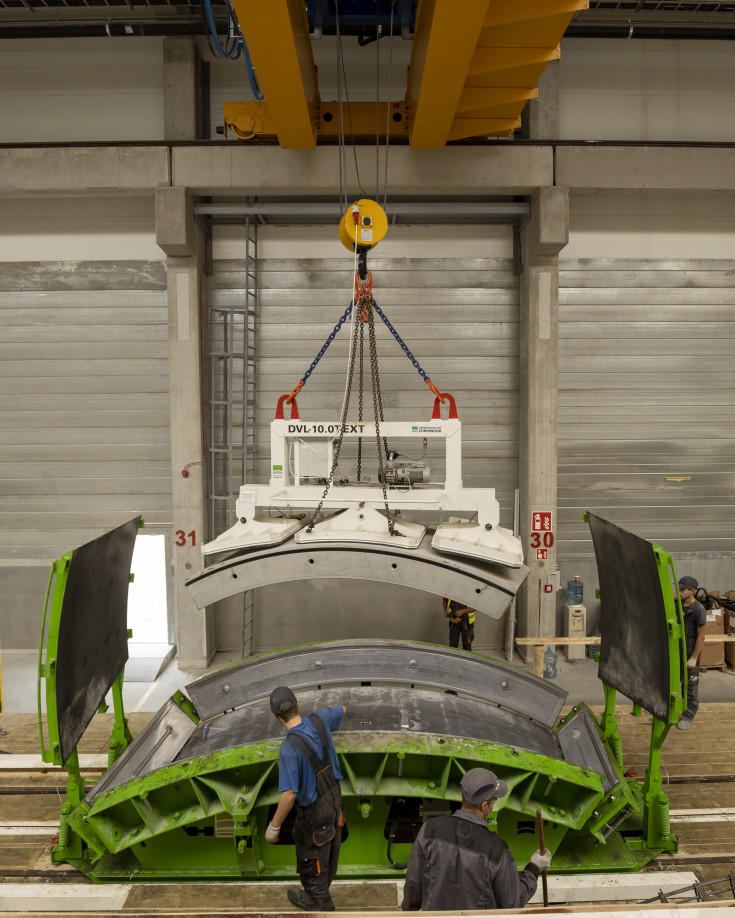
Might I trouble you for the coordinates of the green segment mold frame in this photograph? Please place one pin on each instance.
(191, 797)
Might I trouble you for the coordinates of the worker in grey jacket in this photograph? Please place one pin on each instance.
(457, 863)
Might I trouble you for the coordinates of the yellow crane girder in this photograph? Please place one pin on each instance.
(474, 65)
(471, 74)
(277, 35)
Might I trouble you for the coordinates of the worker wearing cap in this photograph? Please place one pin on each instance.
(309, 776)
(457, 863)
(461, 622)
(695, 619)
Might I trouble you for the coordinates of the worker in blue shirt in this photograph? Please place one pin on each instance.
(308, 777)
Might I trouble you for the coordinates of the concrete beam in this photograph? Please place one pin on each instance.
(653, 168)
(501, 169)
(83, 170)
(541, 240)
(548, 228)
(175, 228)
(180, 89)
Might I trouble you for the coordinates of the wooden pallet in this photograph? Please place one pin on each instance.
(721, 666)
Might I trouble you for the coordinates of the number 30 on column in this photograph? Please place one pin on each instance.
(537, 539)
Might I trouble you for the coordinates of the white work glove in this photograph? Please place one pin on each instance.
(272, 833)
(542, 861)
(691, 662)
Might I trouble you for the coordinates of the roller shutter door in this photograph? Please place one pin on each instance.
(646, 393)
(85, 402)
(459, 317)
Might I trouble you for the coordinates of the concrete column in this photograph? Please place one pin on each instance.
(183, 243)
(180, 89)
(540, 118)
(546, 233)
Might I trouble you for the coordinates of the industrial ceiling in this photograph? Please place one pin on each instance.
(469, 76)
(604, 18)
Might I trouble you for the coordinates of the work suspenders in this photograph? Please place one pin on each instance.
(305, 748)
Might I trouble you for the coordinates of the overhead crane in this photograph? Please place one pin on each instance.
(473, 67)
(191, 795)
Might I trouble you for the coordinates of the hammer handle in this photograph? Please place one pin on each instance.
(542, 849)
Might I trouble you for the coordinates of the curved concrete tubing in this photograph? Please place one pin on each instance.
(488, 588)
(397, 663)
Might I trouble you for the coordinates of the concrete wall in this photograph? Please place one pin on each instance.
(646, 89)
(81, 89)
(83, 387)
(659, 203)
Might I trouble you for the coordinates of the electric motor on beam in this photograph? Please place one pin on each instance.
(405, 474)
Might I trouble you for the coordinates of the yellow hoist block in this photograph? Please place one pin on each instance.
(365, 223)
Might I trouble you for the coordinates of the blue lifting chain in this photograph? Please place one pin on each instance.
(302, 382)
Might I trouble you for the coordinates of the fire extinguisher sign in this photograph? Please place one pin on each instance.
(542, 533)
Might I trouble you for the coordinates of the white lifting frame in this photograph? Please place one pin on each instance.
(363, 521)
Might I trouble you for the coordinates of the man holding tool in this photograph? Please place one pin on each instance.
(457, 863)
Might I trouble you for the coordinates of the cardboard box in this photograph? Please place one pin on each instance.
(713, 654)
(730, 647)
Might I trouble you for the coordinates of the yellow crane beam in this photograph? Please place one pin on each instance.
(471, 78)
(444, 42)
(277, 33)
(247, 120)
(474, 65)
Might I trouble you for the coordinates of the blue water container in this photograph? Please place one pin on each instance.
(575, 592)
(549, 663)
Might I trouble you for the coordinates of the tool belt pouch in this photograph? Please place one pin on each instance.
(320, 820)
(323, 834)
(308, 865)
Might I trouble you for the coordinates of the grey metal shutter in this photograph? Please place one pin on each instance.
(646, 394)
(459, 317)
(85, 402)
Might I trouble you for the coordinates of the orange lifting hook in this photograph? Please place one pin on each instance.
(363, 289)
(436, 413)
(294, 408)
(434, 389)
(298, 387)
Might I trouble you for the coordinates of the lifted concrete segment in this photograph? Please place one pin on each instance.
(488, 588)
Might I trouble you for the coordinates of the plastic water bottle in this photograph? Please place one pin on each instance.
(549, 663)
(575, 592)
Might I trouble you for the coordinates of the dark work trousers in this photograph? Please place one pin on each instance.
(317, 864)
(463, 630)
(692, 691)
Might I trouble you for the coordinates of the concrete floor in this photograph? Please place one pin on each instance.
(578, 678)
